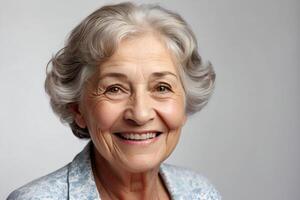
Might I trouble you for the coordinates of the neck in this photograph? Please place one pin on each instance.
(118, 183)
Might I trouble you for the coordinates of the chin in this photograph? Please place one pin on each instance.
(142, 163)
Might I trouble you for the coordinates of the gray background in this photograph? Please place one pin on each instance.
(246, 141)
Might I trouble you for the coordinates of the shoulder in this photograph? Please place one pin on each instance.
(51, 186)
(184, 183)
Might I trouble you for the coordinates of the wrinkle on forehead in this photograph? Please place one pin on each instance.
(140, 56)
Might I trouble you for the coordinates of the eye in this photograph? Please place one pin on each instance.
(114, 90)
(163, 88)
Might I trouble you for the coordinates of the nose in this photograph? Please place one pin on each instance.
(140, 109)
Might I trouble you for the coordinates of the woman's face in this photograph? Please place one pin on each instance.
(134, 105)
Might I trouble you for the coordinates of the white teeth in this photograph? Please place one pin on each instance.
(144, 136)
(134, 136)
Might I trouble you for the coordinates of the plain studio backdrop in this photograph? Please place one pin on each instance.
(246, 141)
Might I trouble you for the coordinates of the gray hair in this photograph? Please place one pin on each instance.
(96, 38)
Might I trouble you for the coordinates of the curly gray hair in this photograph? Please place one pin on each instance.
(96, 38)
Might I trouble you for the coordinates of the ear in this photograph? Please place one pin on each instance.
(78, 117)
(184, 119)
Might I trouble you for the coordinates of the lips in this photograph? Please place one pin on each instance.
(133, 136)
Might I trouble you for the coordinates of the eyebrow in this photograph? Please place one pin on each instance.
(163, 74)
(114, 75)
(123, 76)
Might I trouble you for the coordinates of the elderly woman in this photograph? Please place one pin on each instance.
(127, 78)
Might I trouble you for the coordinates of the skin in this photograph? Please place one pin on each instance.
(137, 90)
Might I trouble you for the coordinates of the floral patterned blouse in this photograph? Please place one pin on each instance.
(75, 181)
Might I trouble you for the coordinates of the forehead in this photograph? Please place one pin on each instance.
(145, 52)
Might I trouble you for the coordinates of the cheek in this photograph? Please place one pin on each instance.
(104, 115)
(173, 113)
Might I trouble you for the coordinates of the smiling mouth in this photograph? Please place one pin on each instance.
(138, 136)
